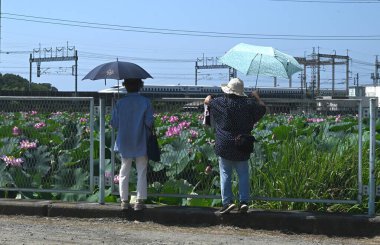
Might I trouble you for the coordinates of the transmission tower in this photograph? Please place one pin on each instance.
(212, 63)
(67, 53)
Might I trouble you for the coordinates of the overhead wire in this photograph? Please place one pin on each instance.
(329, 1)
(179, 32)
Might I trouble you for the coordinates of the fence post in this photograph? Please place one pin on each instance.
(372, 144)
(92, 145)
(360, 156)
(101, 150)
(113, 152)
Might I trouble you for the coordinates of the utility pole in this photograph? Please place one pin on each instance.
(0, 31)
(357, 79)
(377, 65)
(313, 75)
(333, 75)
(318, 72)
(348, 73)
(375, 76)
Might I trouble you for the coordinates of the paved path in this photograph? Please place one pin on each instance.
(47, 230)
(299, 222)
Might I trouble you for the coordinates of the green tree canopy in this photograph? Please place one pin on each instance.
(12, 82)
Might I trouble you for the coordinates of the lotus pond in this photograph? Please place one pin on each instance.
(296, 156)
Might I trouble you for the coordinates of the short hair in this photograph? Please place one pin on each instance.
(133, 84)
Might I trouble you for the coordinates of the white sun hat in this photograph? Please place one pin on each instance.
(234, 86)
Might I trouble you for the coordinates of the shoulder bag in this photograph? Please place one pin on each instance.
(244, 142)
(152, 148)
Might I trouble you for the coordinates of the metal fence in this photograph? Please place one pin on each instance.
(46, 146)
(312, 154)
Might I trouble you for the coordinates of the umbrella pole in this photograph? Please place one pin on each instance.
(118, 96)
(257, 75)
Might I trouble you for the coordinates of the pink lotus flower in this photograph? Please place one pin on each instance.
(25, 144)
(12, 161)
(39, 125)
(116, 179)
(83, 120)
(315, 120)
(184, 124)
(172, 131)
(337, 118)
(173, 119)
(193, 134)
(16, 131)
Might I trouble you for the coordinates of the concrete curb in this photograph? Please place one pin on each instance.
(286, 221)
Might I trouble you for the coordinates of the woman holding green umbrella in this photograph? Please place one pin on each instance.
(234, 116)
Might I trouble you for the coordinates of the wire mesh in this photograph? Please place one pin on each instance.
(46, 144)
(305, 151)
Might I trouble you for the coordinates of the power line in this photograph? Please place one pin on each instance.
(362, 62)
(109, 56)
(328, 1)
(178, 32)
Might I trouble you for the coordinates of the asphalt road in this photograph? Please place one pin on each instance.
(48, 230)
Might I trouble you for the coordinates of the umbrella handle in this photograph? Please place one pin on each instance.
(257, 76)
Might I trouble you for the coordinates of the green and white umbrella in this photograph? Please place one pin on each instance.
(260, 60)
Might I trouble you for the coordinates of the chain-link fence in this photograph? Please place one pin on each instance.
(307, 151)
(46, 146)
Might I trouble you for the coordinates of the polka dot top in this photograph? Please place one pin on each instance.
(232, 115)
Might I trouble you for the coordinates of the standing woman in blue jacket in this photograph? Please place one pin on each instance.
(132, 117)
(234, 114)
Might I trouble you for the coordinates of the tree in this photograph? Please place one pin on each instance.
(12, 82)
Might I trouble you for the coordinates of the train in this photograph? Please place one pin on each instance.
(200, 91)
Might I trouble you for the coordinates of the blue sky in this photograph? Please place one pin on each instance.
(170, 58)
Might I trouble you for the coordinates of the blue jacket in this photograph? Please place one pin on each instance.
(131, 116)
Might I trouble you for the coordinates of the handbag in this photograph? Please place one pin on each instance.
(206, 116)
(152, 148)
(244, 142)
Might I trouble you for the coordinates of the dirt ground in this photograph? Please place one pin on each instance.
(45, 230)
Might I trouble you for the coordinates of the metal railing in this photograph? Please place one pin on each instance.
(182, 175)
(47, 145)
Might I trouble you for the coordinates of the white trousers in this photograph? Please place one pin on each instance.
(141, 167)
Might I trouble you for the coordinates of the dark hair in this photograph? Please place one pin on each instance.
(133, 84)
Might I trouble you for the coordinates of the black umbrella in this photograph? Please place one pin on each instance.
(117, 70)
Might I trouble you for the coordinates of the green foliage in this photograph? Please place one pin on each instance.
(294, 157)
(12, 82)
(52, 152)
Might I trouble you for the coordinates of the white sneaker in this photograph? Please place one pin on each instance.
(125, 205)
(139, 205)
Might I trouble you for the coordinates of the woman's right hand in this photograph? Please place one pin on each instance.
(207, 100)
